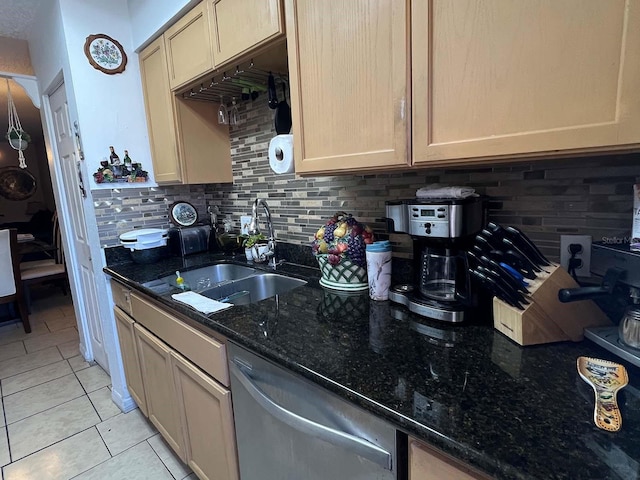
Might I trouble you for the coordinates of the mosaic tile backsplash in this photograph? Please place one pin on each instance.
(545, 198)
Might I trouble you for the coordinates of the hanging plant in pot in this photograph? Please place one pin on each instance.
(18, 139)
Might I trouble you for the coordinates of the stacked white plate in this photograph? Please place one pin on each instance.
(145, 244)
(144, 238)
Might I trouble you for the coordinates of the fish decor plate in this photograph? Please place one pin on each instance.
(606, 378)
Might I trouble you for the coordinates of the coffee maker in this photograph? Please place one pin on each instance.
(442, 230)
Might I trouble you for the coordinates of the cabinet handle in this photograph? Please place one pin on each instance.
(357, 445)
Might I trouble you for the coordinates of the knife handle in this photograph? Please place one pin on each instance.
(515, 274)
(520, 234)
(566, 295)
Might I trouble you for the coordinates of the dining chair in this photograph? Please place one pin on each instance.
(40, 271)
(12, 289)
(56, 241)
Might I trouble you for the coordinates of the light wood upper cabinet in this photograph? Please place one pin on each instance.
(348, 70)
(204, 145)
(188, 145)
(498, 78)
(162, 402)
(158, 103)
(428, 464)
(189, 47)
(130, 359)
(207, 416)
(238, 26)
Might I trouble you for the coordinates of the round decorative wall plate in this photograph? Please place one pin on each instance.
(105, 54)
(183, 214)
(16, 184)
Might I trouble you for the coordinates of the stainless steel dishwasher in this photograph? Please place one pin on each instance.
(287, 428)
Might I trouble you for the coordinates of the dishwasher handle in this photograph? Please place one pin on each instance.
(357, 445)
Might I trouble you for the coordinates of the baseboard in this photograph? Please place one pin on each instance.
(84, 353)
(124, 403)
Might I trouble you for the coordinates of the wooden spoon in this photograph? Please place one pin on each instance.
(606, 378)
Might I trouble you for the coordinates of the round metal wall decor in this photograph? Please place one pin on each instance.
(183, 214)
(105, 54)
(16, 184)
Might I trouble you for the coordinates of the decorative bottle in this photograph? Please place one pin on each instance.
(114, 158)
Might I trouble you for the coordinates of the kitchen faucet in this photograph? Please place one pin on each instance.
(253, 230)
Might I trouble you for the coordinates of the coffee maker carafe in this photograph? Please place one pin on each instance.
(442, 231)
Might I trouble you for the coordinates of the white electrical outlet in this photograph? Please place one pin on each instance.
(585, 255)
(245, 220)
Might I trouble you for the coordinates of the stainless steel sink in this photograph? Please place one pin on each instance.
(253, 289)
(207, 277)
(227, 282)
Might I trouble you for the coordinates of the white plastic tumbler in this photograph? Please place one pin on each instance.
(379, 269)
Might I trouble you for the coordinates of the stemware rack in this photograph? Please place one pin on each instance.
(241, 83)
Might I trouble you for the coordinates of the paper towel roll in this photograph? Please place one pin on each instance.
(281, 154)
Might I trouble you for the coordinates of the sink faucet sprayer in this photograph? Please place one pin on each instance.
(254, 230)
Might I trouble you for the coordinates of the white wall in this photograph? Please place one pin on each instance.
(148, 17)
(110, 107)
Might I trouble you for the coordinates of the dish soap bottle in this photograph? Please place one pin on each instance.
(180, 282)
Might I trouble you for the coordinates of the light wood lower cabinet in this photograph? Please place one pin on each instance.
(177, 376)
(426, 463)
(130, 358)
(162, 402)
(207, 417)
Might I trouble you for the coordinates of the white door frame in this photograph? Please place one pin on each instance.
(119, 392)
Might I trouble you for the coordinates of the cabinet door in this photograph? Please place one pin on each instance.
(205, 406)
(427, 464)
(348, 73)
(498, 78)
(188, 44)
(130, 358)
(238, 26)
(203, 143)
(162, 403)
(159, 110)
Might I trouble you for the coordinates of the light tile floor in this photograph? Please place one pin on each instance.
(57, 419)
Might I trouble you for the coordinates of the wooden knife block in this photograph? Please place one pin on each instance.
(546, 319)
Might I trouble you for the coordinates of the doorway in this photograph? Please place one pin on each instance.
(72, 200)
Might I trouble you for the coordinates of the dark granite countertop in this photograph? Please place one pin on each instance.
(513, 412)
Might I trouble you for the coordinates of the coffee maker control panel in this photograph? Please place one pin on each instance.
(436, 218)
(430, 221)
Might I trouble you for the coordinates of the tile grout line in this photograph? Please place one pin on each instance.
(118, 454)
(39, 310)
(160, 458)
(54, 443)
(41, 383)
(6, 433)
(43, 411)
(40, 366)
